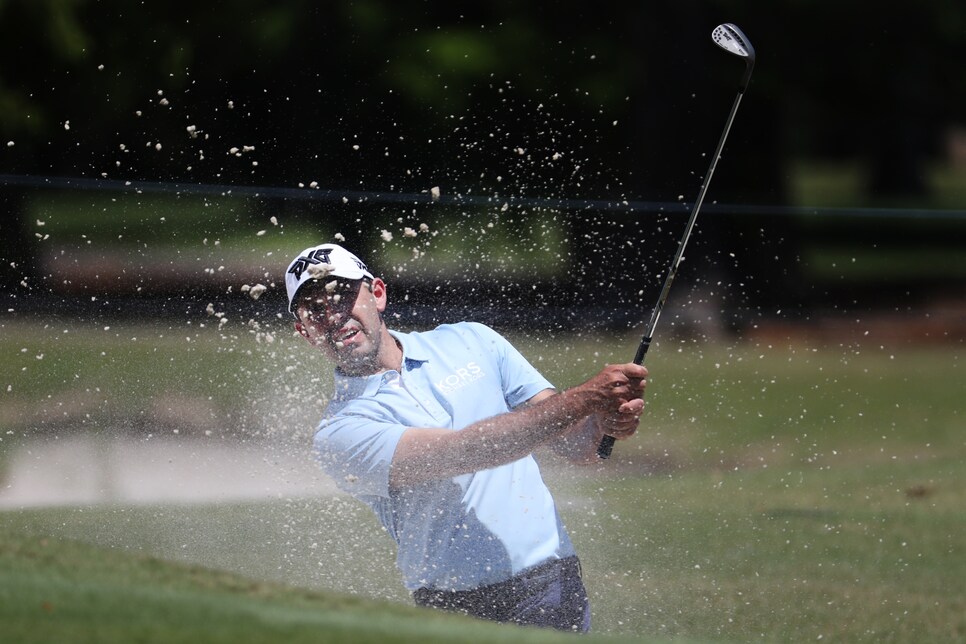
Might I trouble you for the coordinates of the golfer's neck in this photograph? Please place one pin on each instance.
(390, 352)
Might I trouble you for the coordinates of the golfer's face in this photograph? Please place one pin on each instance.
(342, 318)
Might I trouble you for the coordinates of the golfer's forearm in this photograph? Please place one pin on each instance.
(434, 454)
(579, 443)
(511, 436)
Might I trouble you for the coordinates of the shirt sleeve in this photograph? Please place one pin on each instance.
(520, 380)
(356, 451)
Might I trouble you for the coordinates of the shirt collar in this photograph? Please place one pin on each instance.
(414, 354)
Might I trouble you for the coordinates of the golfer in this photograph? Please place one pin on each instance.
(434, 431)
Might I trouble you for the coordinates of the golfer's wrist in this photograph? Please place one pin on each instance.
(579, 402)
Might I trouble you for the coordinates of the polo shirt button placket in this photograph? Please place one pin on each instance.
(428, 403)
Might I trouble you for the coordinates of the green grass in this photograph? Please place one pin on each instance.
(790, 397)
(852, 551)
(778, 491)
(73, 373)
(796, 491)
(63, 591)
(793, 400)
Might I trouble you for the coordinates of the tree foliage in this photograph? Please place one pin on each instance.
(528, 99)
(426, 88)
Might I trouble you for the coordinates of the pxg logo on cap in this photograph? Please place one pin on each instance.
(320, 262)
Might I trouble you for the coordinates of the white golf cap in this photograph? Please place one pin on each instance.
(320, 263)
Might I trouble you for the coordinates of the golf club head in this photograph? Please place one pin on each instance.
(734, 41)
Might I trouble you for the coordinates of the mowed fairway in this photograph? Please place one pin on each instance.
(778, 491)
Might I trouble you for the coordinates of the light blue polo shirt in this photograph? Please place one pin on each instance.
(456, 533)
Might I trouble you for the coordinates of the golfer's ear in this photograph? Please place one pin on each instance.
(379, 292)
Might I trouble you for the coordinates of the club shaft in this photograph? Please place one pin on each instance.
(607, 442)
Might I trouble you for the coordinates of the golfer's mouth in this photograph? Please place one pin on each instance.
(344, 337)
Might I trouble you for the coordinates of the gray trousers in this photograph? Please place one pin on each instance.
(551, 595)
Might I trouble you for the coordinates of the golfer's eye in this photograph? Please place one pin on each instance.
(331, 304)
(321, 316)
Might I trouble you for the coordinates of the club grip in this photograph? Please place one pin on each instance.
(605, 447)
(606, 444)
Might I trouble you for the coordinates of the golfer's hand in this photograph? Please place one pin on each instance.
(624, 422)
(616, 394)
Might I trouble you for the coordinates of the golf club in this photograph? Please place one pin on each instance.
(732, 40)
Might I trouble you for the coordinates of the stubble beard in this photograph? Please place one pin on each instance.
(361, 361)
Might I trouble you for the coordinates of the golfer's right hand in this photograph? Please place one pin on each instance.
(616, 388)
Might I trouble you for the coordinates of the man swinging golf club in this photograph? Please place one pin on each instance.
(435, 431)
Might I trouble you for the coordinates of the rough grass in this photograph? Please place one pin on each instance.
(62, 591)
